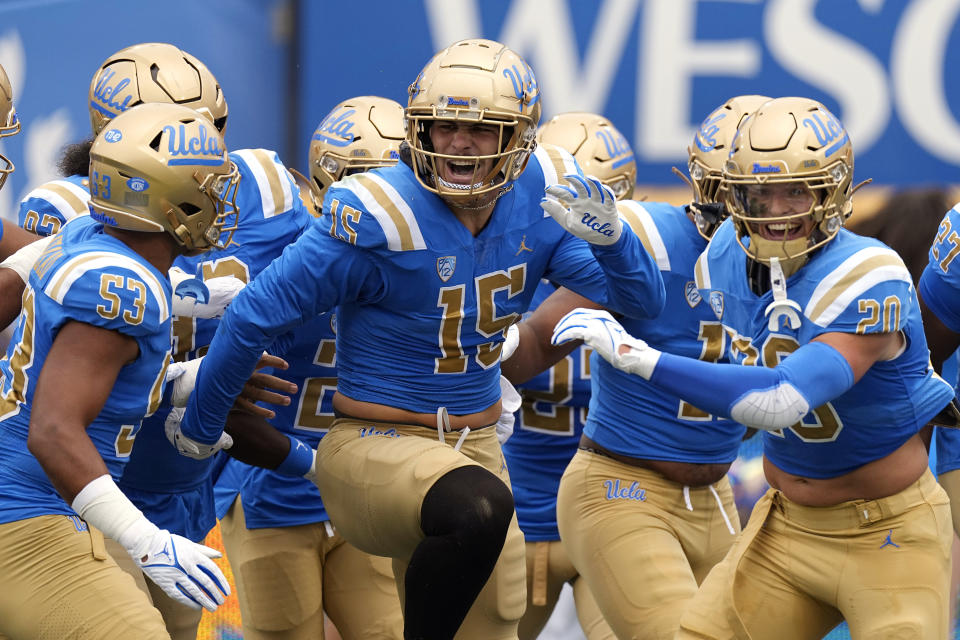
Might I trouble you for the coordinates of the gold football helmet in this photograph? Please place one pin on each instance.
(164, 168)
(474, 82)
(789, 179)
(707, 154)
(154, 72)
(9, 124)
(357, 135)
(599, 148)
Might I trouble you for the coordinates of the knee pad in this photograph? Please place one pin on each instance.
(470, 503)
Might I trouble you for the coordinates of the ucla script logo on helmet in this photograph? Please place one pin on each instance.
(525, 85)
(617, 148)
(706, 139)
(107, 99)
(199, 149)
(827, 129)
(335, 128)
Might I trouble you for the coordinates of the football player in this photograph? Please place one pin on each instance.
(854, 526)
(278, 525)
(645, 507)
(425, 263)
(938, 289)
(99, 301)
(11, 238)
(267, 200)
(550, 420)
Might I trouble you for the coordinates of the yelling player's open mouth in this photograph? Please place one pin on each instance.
(457, 174)
(786, 230)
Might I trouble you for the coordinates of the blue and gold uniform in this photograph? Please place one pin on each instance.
(84, 276)
(899, 544)
(422, 305)
(47, 208)
(546, 434)
(643, 541)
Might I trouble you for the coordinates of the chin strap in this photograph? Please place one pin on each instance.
(781, 305)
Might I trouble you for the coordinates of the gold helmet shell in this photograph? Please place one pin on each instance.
(601, 150)
(797, 142)
(9, 124)
(164, 168)
(359, 134)
(477, 82)
(154, 72)
(709, 151)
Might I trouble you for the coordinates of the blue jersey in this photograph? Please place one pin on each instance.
(48, 207)
(84, 276)
(546, 434)
(422, 302)
(940, 281)
(629, 415)
(269, 498)
(271, 216)
(852, 285)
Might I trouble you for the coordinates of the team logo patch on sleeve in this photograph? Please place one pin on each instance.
(446, 266)
(716, 303)
(692, 294)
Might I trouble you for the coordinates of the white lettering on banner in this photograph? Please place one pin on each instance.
(917, 70)
(670, 56)
(826, 59)
(452, 21)
(543, 32)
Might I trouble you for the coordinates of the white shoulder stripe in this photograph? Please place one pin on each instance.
(67, 273)
(67, 198)
(272, 182)
(396, 219)
(701, 270)
(850, 279)
(654, 241)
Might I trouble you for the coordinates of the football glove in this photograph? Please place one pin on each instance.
(183, 569)
(510, 343)
(187, 446)
(599, 330)
(183, 376)
(510, 402)
(588, 209)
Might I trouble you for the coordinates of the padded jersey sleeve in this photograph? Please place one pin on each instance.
(48, 207)
(622, 277)
(111, 291)
(869, 292)
(313, 275)
(940, 282)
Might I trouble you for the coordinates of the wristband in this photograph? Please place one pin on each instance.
(299, 461)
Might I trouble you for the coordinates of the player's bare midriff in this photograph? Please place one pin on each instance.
(383, 413)
(690, 474)
(878, 479)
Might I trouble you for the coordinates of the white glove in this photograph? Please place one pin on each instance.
(198, 298)
(188, 446)
(588, 210)
(182, 568)
(599, 330)
(510, 343)
(510, 401)
(183, 375)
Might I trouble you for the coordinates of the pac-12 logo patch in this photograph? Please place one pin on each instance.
(692, 294)
(716, 303)
(446, 266)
